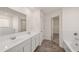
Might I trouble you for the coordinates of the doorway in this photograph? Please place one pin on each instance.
(55, 29)
(23, 25)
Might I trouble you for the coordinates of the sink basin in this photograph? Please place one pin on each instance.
(75, 46)
(13, 38)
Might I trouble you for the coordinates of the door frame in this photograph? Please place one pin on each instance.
(52, 25)
(60, 29)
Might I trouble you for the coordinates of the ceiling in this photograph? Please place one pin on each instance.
(47, 10)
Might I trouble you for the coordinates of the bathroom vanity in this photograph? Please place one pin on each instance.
(71, 46)
(20, 42)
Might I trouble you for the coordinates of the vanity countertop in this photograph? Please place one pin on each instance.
(6, 42)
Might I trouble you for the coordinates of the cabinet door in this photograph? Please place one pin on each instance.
(19, 48)
(27, 46)
(37, 38)
(33, 43)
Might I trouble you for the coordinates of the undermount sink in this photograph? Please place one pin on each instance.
(75, 45)
(28, 32)
(13, 38)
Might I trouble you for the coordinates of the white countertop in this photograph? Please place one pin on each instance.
(6, 42)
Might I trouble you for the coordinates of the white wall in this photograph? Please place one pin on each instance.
(47, 30)
(33, 20)
(42, 18)
(36, 23)
(70, 23)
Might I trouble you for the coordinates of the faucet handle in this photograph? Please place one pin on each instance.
(75, 34)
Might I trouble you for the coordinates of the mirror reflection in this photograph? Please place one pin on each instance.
(11, 21)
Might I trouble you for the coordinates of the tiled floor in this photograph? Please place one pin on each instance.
(56, 38)
(50, 46)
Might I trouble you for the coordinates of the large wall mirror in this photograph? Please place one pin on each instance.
(11, 21)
